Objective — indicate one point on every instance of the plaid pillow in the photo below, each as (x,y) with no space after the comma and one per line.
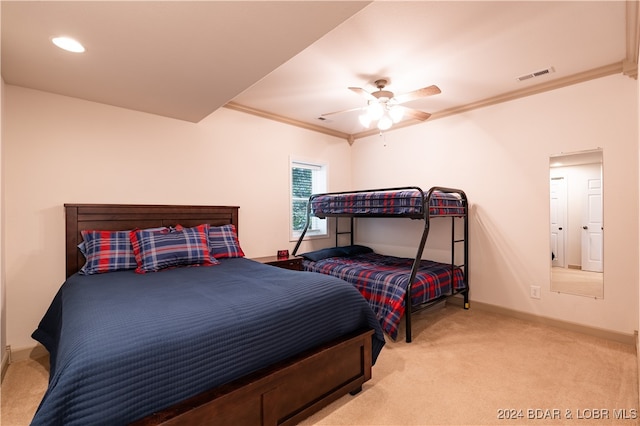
(156,250)
(223,241)
(106,251)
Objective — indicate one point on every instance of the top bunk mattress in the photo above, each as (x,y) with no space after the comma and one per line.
(390,202)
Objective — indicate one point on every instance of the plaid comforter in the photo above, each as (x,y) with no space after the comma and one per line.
(387,203)
(383,281)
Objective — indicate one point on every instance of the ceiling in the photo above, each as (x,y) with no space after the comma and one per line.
(576,158)
(293,61)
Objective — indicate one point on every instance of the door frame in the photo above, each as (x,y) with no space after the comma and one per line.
(561,234)
(588,263)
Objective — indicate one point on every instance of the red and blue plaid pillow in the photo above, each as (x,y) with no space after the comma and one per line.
(223,241)
(106,251)
(156,250)
(109,251)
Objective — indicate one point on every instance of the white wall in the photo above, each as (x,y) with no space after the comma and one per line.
(3,298)
(500,156)
(638,325)
(63,150)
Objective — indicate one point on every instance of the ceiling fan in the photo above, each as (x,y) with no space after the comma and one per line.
(384,106)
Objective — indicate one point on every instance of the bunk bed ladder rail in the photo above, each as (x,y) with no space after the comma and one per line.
(349,232)
(464,240)
(465,253)
(425,233)
(308,221)
(414,270)
(304,230)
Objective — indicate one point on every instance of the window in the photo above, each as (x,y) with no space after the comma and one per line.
(306,178)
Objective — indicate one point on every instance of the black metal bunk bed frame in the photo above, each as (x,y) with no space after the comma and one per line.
(426,217)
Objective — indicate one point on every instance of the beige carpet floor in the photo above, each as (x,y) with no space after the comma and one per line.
(463,368)
(575,281)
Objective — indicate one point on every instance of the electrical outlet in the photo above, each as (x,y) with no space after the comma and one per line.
(535,292)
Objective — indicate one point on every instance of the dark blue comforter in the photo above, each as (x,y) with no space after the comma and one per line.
(124,345)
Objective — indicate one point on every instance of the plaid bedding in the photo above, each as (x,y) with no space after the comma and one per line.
(399,202)
(445,204)
(383,281)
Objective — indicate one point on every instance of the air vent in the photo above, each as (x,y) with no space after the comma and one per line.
(536,74)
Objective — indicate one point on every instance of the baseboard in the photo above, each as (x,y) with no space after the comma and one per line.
(10,356)
(628,339)
(6,357)
(33,352)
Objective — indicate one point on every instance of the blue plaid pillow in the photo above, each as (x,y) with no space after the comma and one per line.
(223,241)
(157,250)
(106,251)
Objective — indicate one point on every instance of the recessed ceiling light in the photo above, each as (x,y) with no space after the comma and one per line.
(68,44)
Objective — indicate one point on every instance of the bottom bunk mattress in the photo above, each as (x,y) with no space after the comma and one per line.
(383,281)
(124,345)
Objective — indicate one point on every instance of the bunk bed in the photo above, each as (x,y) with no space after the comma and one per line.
(194,344)
(394,286)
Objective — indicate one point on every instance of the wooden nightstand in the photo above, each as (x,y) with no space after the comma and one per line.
(291,262)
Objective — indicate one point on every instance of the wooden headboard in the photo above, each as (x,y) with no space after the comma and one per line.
(117,217)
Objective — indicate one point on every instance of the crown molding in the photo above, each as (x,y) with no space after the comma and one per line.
(286,120)
(630,64)
(615,68)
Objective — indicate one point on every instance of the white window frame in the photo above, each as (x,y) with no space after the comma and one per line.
(318,228)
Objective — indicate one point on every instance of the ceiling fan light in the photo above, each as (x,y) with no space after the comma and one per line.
(365,120)
(375,111)
(385,122)
(396,114)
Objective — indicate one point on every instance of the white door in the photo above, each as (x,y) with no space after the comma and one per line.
(592,227)
(558,203)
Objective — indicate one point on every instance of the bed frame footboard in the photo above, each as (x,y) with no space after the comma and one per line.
(283,394)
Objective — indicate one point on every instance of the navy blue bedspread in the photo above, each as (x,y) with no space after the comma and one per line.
(124,345)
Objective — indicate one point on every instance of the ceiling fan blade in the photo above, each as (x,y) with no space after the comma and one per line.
(360,91)
(417,94)
(414,113)
(340,112)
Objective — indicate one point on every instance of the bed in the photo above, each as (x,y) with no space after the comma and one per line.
(233,342)
(395,287)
